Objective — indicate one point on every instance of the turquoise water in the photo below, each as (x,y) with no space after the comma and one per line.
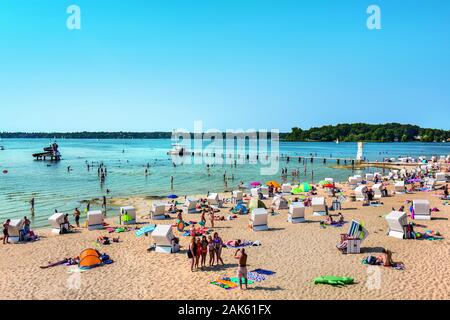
(53,187)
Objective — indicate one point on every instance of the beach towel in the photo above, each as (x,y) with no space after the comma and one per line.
(145,229)
(236,280)
(223,285)
(264,272)
(256,277)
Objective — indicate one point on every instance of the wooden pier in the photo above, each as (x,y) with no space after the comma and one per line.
(51,153)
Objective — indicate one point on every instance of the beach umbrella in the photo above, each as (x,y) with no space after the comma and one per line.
(296,190)
(172,196)
(273,184)
(305,187)
(255,184)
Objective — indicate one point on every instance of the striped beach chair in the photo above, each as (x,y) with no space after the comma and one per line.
(351,241)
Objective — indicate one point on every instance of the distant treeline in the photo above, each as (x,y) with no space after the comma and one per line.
(389,132)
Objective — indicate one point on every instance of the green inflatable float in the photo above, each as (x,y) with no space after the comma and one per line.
(333,280)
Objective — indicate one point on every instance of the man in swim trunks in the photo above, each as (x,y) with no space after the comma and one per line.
(242,267)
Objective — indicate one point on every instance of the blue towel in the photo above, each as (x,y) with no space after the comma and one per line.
(145,230)
(264,272)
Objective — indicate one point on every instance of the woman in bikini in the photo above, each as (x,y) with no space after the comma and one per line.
(198,252)
(218,243)
(204,246)
(385,258)
(211,250)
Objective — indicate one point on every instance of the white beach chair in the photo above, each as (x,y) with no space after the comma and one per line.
(352,181)
(397,221)
(360,192)
(95,220)
(369,176)
(399,187)
(158,211)
(279,203)
(162,237)
(258,219)
(237,196)
(430,184)
(319,206)
(286,188)
(358,178)
(57,223)
(421,209)
(377,190)
(15,230)
(190,205)
(254,192)
(213,200)
(351,241)
(441,177)
(330,180)
(127,215)
(296,212)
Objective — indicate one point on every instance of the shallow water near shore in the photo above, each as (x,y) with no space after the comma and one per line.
(53,187)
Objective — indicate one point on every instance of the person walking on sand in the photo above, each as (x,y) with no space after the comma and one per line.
(211,218)
(5,231)
(242,267)
(77,214)
(104,203)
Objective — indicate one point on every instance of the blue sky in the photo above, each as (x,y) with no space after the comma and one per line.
(263,64)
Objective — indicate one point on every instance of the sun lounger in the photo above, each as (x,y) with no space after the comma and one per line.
(259,219)
(369,176)
(358,178)
(95,220)
(127,215)
(296,212)
(397,222)
(421,210)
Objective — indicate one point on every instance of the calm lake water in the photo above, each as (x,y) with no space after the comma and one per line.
(53,187)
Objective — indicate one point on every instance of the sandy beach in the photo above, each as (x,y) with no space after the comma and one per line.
(296,252)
